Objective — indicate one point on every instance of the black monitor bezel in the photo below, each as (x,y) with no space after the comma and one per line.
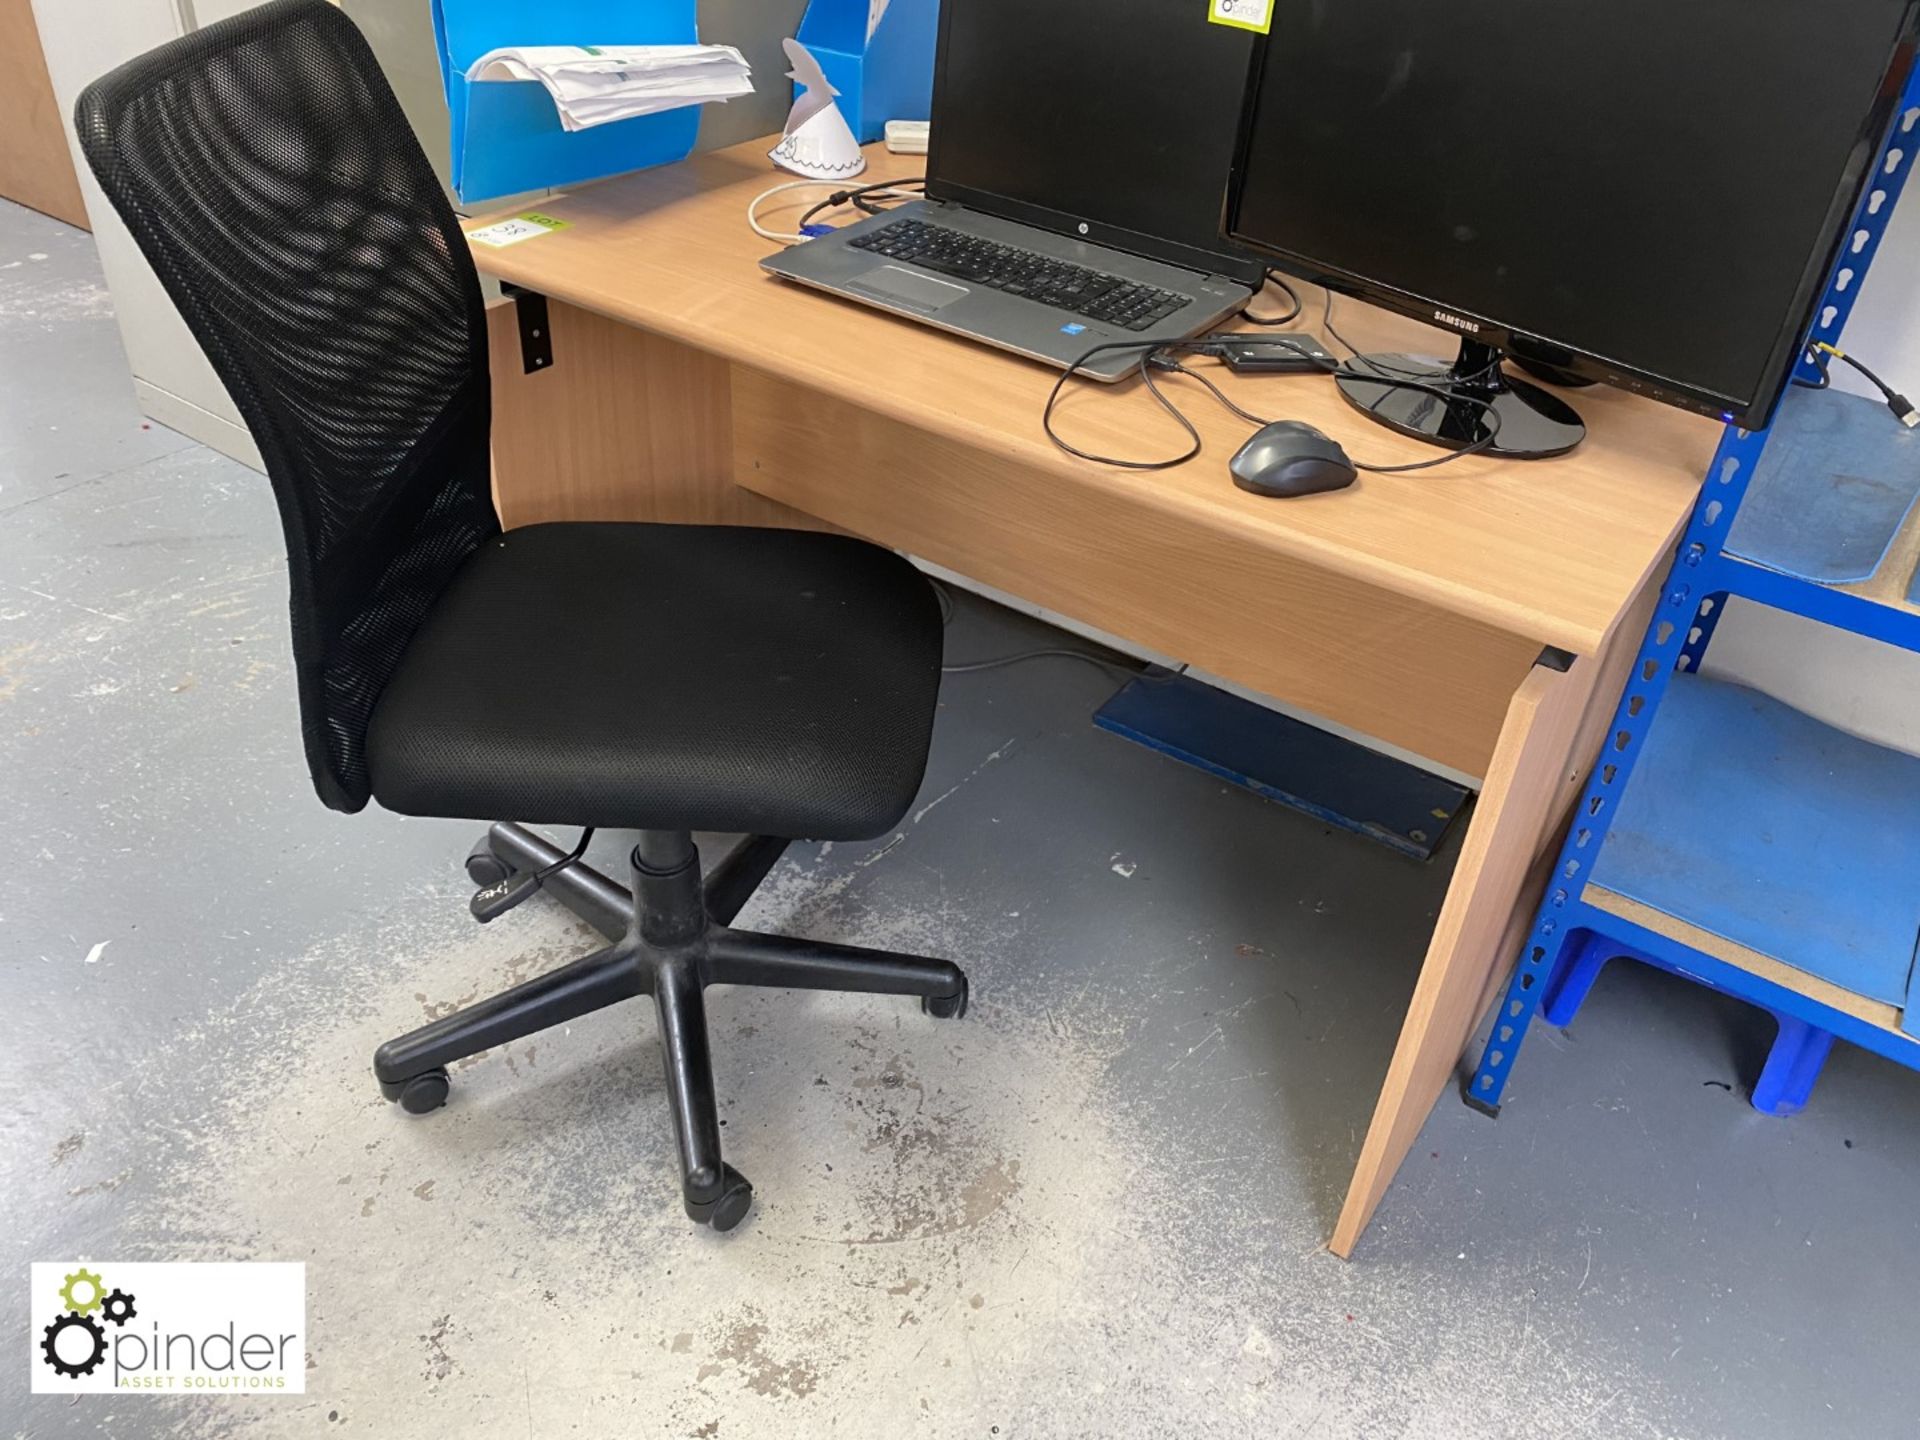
(1233,263)
(1749,412)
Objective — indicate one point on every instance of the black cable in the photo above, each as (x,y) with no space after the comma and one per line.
(857,196)
(1168,363)
(1152,351)
(875,203)
(1203,345)
(867,199)
(1134,670)
(974,667)
(586,838)
(1490,417)
(1146,349)
(1824,355)
(1326,323)
(1487,407)
(1378,370)
(1396,378)
(1275,321)
(490,902)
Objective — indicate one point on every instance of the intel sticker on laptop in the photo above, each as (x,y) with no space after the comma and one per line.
(1073,329)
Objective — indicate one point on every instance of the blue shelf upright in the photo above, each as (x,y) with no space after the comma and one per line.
(1725,837)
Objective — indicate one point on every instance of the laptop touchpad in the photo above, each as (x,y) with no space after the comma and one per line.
(904,287)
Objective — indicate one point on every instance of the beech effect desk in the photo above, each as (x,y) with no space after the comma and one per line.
(1483,614)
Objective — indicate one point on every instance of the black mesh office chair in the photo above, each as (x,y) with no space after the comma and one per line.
(657,678)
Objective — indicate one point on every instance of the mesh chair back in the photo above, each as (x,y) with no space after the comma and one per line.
(268,174)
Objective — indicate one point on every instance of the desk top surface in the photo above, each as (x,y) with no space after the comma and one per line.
(1552,549)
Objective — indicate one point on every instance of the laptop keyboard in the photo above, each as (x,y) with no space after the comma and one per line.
(1121,304)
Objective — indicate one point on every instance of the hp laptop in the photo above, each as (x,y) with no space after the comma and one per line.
(1075,184)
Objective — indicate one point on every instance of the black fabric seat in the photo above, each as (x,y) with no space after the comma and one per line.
(667,677)
(658,678)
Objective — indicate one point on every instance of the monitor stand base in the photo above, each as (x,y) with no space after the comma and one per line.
(1533,424)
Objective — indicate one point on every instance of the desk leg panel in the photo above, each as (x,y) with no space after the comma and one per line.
(1551,741)
(624,425)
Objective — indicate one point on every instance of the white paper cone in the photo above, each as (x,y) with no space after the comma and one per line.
(818,143)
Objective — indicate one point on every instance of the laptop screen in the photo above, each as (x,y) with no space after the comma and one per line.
(1116,115)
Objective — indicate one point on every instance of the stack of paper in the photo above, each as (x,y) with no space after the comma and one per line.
(598,84)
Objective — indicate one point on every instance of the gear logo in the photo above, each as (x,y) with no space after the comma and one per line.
(159,1327)
(76,1342)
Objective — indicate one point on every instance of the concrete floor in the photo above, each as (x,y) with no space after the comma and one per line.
(1094,1207)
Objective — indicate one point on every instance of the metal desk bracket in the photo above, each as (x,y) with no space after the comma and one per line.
(536,336)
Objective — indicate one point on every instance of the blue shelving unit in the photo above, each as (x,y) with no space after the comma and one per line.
(1724,836)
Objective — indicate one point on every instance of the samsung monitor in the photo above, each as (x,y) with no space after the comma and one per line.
(1110,120)
(1646,193)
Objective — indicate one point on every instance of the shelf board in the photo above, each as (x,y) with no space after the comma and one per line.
(1746,820)
(1880,608)
(1830,527)
(1894,583)
(1823,992)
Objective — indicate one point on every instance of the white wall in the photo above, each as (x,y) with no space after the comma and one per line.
(1885,329)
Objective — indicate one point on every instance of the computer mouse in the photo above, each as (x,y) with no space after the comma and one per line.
(1289,458)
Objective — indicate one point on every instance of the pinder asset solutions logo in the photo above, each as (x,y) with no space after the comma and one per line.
(227,1328)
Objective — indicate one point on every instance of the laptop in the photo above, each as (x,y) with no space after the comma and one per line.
(1075,185)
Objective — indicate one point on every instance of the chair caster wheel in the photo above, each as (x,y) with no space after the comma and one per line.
(946,1007)
(421,1094)
(485,868)
(729,1208)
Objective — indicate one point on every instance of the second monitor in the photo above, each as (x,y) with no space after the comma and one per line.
(1644,193)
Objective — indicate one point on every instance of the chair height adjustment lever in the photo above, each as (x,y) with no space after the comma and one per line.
(497,899)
